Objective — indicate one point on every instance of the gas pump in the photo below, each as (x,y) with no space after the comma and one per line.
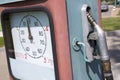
(32,29)
(54,40)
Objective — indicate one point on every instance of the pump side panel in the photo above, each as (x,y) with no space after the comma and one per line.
(82,70)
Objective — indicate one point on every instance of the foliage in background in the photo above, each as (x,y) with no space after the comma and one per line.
(1,42)
(109,1)
(118,13)
(110,24)
(0,27)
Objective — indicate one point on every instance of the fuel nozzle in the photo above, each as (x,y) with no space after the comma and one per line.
(106,65)
(107,69)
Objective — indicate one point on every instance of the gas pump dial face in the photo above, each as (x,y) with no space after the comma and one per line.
(32,34)
(32,39)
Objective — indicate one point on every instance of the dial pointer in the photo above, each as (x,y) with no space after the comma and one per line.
(30,37)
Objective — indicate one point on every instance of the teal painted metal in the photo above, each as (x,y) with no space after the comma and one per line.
(9,1)
(82,70)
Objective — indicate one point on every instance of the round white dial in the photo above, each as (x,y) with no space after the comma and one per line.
(32,36)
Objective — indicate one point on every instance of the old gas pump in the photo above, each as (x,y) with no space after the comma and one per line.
(54,40)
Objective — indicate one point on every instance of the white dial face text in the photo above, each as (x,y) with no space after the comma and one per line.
(32,36)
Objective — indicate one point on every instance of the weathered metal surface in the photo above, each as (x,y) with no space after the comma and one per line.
(82,70)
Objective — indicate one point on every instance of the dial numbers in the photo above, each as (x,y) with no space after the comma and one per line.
(31,26)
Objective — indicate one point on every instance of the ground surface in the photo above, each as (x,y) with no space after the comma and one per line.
(113,40)
(3,66)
